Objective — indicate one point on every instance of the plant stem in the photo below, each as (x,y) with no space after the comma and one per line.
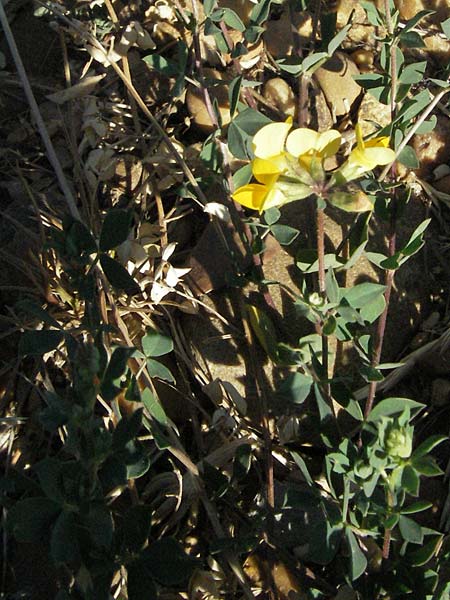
(381,328)
(321,249)
(320,225)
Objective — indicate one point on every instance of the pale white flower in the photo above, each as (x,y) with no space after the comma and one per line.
(166,277)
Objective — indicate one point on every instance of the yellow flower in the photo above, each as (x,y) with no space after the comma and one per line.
(366,156)
(285,166)
(307,144)
(269,141)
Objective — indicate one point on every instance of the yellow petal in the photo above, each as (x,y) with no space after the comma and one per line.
(379,156)
(359,136)
(269,140)
(359,157)
(251,195)
(301,141)
(265,170)
(328,143)
(379,141)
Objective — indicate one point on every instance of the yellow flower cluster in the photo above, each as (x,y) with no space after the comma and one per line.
(288,166)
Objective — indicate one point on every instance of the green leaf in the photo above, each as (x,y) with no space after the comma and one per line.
(157,369)
(118,276)
(284,234)
(117,366)
(253,33)
(49,471)
(332,287)
(416,240)
(271,216)
(306,261)
(445,26)
(329,327)
(393,406)
(291,65)
(372,13)
(372,310)
(234,91)
(167,562)
(427,446)
(412,39)
(416,507)
(156,344)
(410,480)
(208,6)
(294,388)
(371,373)
(299,461)
(391,521)
(412,107)
(360,295)
(229,17)
(64,545)
(426,465)
(115,229)
(411,23)
(154,407)
(182,56)
(132,393)
(358,561)
(242,177)
(127,429)
(99,523)
(30,519)
(241,131)
(420,557)
(113,474)
(410,530)
(413,73)
(137,460)
(338,39)
(39,342)
(79,239)
(427,126)
(408,157)
(377,85)
(161,64)
(313,61)
(260,12)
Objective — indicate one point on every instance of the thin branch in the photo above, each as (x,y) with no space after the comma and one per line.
(414,128)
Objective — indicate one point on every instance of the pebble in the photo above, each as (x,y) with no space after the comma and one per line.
(372,113)
(279,93)
(279,38)
(335,78)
